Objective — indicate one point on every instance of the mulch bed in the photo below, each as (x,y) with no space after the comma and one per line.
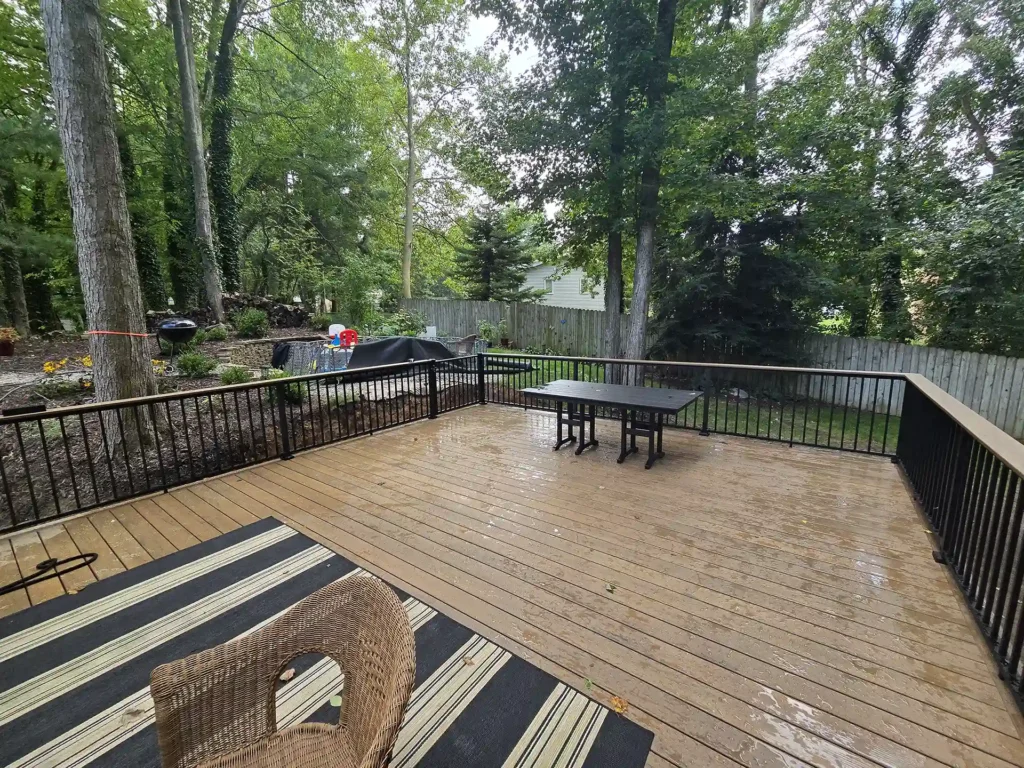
(51,466)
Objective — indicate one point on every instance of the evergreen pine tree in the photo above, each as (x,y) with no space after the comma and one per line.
(495,263)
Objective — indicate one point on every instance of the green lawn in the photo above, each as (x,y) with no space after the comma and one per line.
(802,420)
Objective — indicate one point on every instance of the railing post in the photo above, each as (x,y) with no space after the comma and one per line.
(432,389)
(481,385)
(707,404)
(282,420)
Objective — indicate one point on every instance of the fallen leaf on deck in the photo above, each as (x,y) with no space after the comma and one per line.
(469,662)
(619,704)
(72,591)
(588,683)
(612,587)
(335,701)
(287,675)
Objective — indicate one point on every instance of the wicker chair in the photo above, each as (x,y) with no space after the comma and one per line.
(217,707)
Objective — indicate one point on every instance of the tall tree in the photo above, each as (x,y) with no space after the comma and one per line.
(151,276)
(224,204)
(14,284)
(422,40)
(650,178)
(494,262)
(177,11)
(86,119)
(898,40)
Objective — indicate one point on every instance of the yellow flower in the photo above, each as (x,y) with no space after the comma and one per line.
(87,361)
(86,383)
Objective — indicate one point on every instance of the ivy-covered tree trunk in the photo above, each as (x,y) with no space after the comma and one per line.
(224,204)
(650,180)
(84,108)
(410,167)
(147,260)
(177,11)
(14,285)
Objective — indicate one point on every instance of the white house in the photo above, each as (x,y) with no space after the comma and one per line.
(571,289)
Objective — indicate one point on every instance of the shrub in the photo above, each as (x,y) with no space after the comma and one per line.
(321,321)
(196,365)
(252,323)
(235,374)
(293,393)
(217,333)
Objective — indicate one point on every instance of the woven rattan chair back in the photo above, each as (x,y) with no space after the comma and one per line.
(218,707)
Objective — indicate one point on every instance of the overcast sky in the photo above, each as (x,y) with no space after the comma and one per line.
(477,35)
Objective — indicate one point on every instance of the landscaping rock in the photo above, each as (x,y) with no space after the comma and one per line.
(280,315)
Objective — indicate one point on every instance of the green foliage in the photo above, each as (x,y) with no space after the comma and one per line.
(217,333)
(235,374)
(321,321)
(195,365)
(494,263)
(852,168)
(493,332)
(400,323)
(294,393)
(251,323)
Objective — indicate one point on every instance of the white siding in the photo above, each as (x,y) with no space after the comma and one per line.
(565,289)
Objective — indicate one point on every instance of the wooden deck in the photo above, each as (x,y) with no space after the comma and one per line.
(755,604)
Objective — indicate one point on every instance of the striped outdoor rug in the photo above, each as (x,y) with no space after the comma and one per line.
(74,672)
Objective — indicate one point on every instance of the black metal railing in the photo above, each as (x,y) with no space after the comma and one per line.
(967,476)
(59,462)
(845,410)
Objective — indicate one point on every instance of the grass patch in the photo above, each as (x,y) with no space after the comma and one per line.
(764,412)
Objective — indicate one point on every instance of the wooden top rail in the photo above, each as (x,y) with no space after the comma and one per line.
(1002,445)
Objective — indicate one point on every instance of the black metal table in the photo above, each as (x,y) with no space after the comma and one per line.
(642,412)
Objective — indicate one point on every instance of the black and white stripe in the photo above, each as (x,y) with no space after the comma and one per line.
(74,672)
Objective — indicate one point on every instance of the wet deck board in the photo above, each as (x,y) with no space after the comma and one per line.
(756,604)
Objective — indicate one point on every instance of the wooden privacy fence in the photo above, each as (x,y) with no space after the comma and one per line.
(542,328)
(991,385)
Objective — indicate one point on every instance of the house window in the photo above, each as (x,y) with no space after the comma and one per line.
(549,284)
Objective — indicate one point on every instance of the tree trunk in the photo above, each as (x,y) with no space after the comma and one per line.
(410,170)
(17,307)
(14,285)
(616,184)
(211,52)
(177,11)
(110,281)
(224,204)
(650,181)
(147,261)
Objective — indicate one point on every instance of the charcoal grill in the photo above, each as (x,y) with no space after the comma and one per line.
(176,331)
